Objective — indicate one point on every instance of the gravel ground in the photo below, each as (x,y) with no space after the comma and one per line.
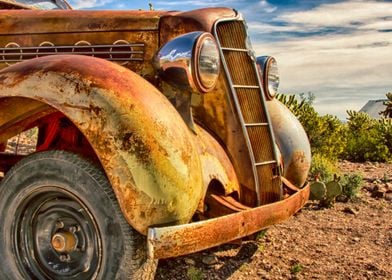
(351,240)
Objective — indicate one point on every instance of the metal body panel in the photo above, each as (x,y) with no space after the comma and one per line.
(215,163)
(63,30)
(292,141)
(146,149)
(11,5)
(53,21)
(185,239)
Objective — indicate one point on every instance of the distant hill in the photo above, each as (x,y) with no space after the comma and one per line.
(374,107)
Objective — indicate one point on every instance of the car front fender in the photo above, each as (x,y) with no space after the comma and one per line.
(142,143)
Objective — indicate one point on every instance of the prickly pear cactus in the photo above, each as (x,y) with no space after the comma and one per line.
(318,191)
(333,189)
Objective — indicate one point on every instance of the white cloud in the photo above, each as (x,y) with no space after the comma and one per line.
(343,70)
(260,27)
(198,3)
(340,14)
(84,4)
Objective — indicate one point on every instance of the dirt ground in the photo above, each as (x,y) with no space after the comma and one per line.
(351,240)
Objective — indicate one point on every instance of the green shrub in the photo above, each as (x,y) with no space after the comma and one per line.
(296,268)
(368,139)
(322,168)
(193,273)
(351,185)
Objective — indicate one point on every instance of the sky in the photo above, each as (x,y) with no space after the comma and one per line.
(341,51)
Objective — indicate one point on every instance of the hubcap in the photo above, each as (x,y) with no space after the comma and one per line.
(56,236)
(64,242)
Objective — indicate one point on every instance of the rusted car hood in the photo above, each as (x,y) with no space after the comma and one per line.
(34,21)
(25,22)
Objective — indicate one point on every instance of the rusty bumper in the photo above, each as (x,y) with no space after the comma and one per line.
(172,241)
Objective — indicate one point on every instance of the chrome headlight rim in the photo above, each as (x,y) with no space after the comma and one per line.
(196,63)
(266,65)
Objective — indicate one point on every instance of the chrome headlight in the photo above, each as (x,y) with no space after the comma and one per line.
(269,75)
(207,68)
(190,60)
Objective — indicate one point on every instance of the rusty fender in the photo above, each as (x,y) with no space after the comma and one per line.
(141,141)
(179,240)
(292,142)
(215,163)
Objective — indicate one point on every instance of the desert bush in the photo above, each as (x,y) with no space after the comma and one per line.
(351,184)
(194,273)
(367,139)
(322,168)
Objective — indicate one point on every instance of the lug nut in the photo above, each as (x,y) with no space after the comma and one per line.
(59,224)
(74,229)
(65,258)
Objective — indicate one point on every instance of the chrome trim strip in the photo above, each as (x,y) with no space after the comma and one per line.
(73,47)
(235,50)
(81,53)
(265,162)
(243,86)
(13,52)
(108,59)
(256,124)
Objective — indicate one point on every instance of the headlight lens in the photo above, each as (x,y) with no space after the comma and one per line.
(273,77)
(207,66)
(270,75)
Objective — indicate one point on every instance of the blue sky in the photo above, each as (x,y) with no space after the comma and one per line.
(339,50)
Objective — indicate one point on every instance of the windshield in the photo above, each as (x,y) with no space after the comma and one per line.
(45,4)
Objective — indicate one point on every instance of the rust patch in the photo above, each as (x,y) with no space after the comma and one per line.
(135,144)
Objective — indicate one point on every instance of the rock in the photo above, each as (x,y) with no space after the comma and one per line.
(356,239)
(190,261)
(350,210)
(369,188)
(210,260)
(378,194)
(263,274)
(341,198)
(388,196)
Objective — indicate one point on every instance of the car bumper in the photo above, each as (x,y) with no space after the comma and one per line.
(172,241)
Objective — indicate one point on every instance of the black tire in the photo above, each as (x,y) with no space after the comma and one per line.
(59,219)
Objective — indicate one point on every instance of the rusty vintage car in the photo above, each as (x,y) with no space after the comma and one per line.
(158,135)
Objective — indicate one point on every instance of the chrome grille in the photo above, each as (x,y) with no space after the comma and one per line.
(248,97)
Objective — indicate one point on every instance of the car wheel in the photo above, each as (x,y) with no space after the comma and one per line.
(60,219)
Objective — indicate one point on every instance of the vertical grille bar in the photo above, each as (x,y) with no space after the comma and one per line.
(250,104)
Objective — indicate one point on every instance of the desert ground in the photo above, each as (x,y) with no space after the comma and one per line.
(351,240)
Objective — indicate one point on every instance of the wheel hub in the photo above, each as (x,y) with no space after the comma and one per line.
(56,236)
(64,242)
